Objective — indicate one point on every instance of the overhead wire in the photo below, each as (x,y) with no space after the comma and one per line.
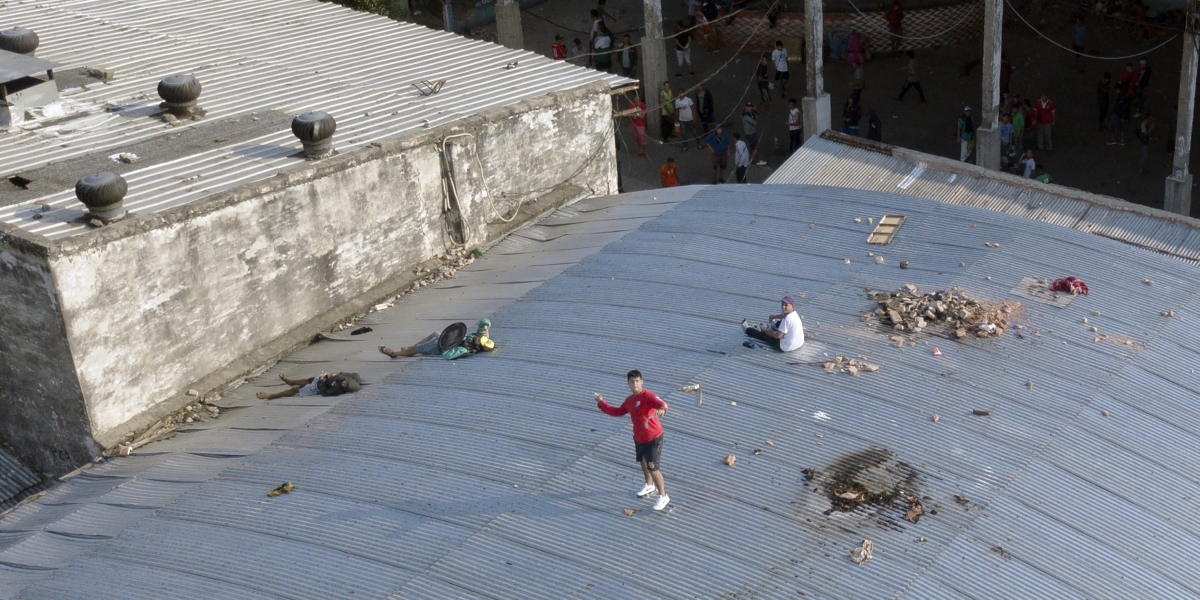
(1073,51)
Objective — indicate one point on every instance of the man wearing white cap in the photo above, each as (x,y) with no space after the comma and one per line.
(786,332)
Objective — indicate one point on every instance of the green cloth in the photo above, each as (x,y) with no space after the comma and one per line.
(667,99)
(1018,123)
(463,349)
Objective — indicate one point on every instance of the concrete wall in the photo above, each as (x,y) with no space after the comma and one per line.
(156,303)
(42,415)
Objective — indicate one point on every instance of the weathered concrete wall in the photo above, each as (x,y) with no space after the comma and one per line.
(42,414)
(153,304)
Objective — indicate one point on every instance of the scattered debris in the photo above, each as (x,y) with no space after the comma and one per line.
(193,393)
(922,539)
(904,264)
(695,387)
(770,443)
(915,510)
(862,554)
(629,512)
(849,365)
(361,330)
(991,244)
(1119,340)
(936,352)
(845,261)
(124,157)
(910,310)
(853,496)
(1147,282)
(1168,313)
(879,260)
(281,490)
(868,477)
(809,474)
(962,264)
(1084,321)
(1029,384)
(1104,413)
(936,418)
(980,412)
(757,451)
(858,219)
(962,501)
(1002,552)
(729,460)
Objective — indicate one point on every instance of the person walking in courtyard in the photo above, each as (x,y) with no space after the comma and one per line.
(913,79)
(638,123)
(669,173)
(1078,39)
(895,19)
(761,75)
(1045,122)
(965,134)
(1143,84)
(750,131)
(685,115)
(718,143)
(704,106)
(683,49)
(851,117)
(628,56)
(859,80)
(644,409)
(780,56)
(874,126)
(666,101)
(794,126)
(786,332)
(741,158)
(1143,134)
(1103,98)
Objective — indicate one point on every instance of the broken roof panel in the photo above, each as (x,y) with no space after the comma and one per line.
(14,66)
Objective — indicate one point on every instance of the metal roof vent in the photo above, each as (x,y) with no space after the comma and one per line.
(103,194)
(19,40)
(315,130)
(179,94)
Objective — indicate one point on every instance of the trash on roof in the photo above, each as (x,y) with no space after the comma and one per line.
(849,365)
(886,229)
(911,310)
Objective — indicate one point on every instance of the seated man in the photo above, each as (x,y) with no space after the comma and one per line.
(325,384)
(786,332)
(435,345)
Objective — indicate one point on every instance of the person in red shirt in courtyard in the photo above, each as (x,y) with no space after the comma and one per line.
(644,408)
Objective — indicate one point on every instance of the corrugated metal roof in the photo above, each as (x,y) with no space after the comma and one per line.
(16,481)
(286,55)
(495,476)
(824,161)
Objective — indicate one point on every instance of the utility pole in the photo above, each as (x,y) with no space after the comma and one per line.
(654,62)
(1178,196)
(447,16)
(987,135)
(508,24)
(816,103)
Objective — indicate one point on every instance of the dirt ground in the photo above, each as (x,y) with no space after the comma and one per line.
(1081,157)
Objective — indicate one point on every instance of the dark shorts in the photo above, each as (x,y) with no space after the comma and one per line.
(782,75)
(764,90)
(650,452)
(719,161)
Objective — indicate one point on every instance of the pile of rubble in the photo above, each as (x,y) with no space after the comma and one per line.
(201,409)
(910,310)
(848,365)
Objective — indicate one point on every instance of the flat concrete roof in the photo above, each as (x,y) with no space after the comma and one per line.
(495,476)
(274,56)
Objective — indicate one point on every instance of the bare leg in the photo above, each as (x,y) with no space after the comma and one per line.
(296,382)
(284,394)
(646,472)
(408,350)
(658,482)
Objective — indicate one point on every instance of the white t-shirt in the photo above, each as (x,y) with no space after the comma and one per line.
(1029,165)
(779,55)
(793,332)
(794,119)
(684,104)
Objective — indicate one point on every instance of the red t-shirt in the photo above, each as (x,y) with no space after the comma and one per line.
(560,51)
(894,17)
(636,120)
(1045,111)
(640,408)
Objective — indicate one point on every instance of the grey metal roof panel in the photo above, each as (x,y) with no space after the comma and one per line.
(16,481)
(506,482)
(291,56)
(14,66)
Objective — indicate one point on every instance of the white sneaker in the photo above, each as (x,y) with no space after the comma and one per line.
(662,502)
(745,324)
(646,491)
(761,163)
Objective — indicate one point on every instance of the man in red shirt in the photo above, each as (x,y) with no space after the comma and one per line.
(644,408)
(1045,121)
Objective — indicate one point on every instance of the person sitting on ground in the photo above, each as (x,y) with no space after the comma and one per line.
(786,332)
(445,345)
(325,384)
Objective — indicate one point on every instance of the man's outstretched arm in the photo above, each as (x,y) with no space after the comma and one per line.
(608,409)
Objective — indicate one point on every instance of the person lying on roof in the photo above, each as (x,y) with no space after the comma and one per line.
(453,342)
(325,384)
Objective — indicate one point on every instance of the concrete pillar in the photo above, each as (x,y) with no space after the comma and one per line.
(448,15)
(508,24)
(816,102)
(987,135)
(1178,197)
(653,57)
